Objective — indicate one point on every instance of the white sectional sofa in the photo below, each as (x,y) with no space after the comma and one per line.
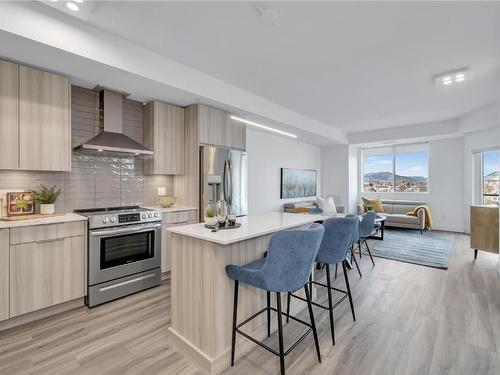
(396,210)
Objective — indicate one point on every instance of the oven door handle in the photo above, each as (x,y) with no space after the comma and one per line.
(129,229)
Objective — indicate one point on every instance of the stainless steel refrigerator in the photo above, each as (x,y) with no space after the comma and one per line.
(223,170)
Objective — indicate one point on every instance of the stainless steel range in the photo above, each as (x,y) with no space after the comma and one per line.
(124,245)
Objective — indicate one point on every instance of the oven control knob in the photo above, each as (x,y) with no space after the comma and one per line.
(105,220)
(113,219)
(157,214)
(144,216)
(150,215)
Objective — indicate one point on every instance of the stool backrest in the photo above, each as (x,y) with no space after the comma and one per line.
(367,224)
(290,258)
(337,239)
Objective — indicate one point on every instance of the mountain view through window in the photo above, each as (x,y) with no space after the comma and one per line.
(491,162)
(404,171)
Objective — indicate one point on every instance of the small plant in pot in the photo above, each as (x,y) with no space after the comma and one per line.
(210,217)
(47,199)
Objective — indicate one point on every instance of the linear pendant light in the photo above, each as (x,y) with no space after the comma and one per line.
(263,126)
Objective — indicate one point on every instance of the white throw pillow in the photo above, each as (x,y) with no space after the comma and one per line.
(327,205)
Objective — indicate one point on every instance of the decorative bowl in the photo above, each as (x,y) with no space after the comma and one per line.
(167,202)
(212,221)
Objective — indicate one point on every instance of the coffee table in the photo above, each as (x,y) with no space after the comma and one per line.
(379,226)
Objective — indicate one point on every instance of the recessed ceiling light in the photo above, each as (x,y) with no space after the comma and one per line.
(72,6)
(263,127)
(78,1)
(455,76)
(99,150)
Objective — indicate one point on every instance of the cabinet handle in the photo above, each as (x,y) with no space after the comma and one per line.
(50,240)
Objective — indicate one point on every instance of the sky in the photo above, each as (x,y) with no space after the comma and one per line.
(408,164)
(491,161)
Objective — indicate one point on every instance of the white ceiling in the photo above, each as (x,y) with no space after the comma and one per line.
(355,66)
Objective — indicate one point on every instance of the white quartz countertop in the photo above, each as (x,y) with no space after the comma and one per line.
(65,218)
(172,209)
(251,226)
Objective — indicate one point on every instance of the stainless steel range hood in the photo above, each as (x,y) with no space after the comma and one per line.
(111,139)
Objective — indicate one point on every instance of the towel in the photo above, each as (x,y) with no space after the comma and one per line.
(428,216)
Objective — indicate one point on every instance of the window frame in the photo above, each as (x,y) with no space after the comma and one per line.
(393,153)
(478,174)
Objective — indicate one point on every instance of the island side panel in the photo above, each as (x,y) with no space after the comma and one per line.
(202,297)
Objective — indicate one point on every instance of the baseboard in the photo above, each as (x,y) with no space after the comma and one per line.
(449,228)
(41,314)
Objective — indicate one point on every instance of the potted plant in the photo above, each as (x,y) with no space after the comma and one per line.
(210,217)
(47,199)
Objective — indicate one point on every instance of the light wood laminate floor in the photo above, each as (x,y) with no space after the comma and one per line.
(410,320)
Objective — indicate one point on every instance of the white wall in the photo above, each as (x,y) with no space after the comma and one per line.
(473,142)
(446,188)
(267,153)
(334,171)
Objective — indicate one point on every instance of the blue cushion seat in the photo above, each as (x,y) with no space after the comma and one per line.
(291,255)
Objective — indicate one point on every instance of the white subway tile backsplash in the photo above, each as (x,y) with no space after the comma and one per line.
(96,181)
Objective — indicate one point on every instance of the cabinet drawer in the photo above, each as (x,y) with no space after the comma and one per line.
(46,232)
(179,217)
(47,273)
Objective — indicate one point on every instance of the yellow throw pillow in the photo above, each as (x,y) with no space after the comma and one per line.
(376,203)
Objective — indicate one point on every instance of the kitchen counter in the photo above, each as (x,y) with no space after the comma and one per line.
(251,226)
(172,209)
(65,218)
(202,294)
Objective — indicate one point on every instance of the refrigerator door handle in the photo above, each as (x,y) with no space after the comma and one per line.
(228,193)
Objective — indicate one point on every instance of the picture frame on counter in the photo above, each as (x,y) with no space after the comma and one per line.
(20,203)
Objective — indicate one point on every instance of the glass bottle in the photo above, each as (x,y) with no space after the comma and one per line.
(221,207)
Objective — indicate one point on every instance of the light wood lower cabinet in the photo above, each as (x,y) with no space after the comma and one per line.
(46,273)
(169,220)
(4,274)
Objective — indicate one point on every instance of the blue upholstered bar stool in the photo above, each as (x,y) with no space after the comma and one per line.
(334,248)
(290,257)
(366,229)
(355,240)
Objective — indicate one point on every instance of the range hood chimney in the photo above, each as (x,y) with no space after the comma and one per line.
(111,139)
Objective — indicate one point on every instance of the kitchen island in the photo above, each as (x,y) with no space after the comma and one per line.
(202,294)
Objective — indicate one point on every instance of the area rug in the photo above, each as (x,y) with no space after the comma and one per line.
(432,248)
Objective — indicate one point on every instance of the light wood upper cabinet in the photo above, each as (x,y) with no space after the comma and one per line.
(164,134)
(9,111)
(217,128)
(46,273)
(4,274)
(44,121)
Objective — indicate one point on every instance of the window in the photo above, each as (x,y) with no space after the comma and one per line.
(487,165)
(402,168)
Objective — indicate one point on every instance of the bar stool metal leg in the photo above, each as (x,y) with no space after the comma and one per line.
(280,334)
(313,323)
(268,314)
(235,313)
(288,298)
(369,252)
(348,290)
(353,257)
(330,302)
